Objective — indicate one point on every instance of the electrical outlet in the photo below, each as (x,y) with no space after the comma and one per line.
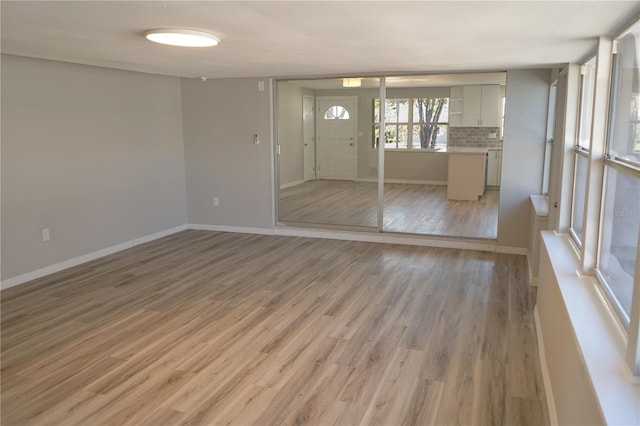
(45,234)
(216,202)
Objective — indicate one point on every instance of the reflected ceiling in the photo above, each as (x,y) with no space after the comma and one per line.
(432,80)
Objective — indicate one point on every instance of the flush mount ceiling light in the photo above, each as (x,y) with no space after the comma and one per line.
(184,38)
(351,82)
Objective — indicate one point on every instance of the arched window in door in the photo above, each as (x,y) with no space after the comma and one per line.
(336,112)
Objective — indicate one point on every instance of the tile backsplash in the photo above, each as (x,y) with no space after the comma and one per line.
(473,137)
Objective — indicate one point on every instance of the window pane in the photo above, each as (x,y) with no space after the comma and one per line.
(431,110)
(586,105)
(336,112)
(397,111)
(619,242)
(376,110)
(625,129)
(429,136)
(403,111)
(579,192)
(397,136)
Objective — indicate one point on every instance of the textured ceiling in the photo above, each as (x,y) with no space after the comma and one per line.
(286,39)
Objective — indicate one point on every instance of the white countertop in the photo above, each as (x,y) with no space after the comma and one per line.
(464,150)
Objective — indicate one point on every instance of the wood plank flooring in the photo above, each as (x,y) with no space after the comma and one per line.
(207,328)
(419,209)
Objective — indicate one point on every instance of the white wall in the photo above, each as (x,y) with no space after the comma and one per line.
(93,154)
(220,118)
(527,96)
(290,132)
(574,399)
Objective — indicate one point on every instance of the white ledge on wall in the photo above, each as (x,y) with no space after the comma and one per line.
(600,338)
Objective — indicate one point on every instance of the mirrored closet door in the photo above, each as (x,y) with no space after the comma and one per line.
(442,156)
(441,141)
(327,159)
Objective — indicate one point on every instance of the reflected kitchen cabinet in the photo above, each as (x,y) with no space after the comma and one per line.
(494,167)
(475,106)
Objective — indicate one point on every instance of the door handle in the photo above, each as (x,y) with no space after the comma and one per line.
(351,144)
(306,144)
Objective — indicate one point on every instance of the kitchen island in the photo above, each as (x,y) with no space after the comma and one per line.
(467,173)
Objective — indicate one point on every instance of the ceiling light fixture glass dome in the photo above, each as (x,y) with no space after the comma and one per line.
(181,37)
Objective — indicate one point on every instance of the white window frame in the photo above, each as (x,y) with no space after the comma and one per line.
(410,124)
(581,151)
(397,124)
(632,322)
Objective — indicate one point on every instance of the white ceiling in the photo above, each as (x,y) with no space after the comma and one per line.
(286,39)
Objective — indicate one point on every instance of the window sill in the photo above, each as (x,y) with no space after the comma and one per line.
(599,336)
(540,204)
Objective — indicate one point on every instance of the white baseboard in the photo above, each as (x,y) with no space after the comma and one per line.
(345,235)
(385,238)
(417,182)
(47,270)
(233,229)
(372,237)
(406,181)
(546,380)
(533,281)
(512,250)
(290,184)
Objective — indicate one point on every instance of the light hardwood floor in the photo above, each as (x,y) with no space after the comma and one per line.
(216,328)
(419,209)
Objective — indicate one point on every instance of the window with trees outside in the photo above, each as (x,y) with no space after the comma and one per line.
(582,147)
(413,123)
(620,217)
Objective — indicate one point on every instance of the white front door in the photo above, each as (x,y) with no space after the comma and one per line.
(309,137)
(336,120)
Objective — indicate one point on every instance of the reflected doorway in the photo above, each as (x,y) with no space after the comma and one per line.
(336,133)
(322,147)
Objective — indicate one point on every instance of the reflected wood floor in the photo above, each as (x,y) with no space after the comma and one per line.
(411,208)
(215,328)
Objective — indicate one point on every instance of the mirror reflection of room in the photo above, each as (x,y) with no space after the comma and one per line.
(325,148)
(442,156)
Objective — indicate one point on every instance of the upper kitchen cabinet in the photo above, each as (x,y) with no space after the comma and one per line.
(475,106)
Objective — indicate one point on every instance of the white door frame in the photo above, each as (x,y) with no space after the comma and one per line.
(382,141)
(319,116)
(305,172)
